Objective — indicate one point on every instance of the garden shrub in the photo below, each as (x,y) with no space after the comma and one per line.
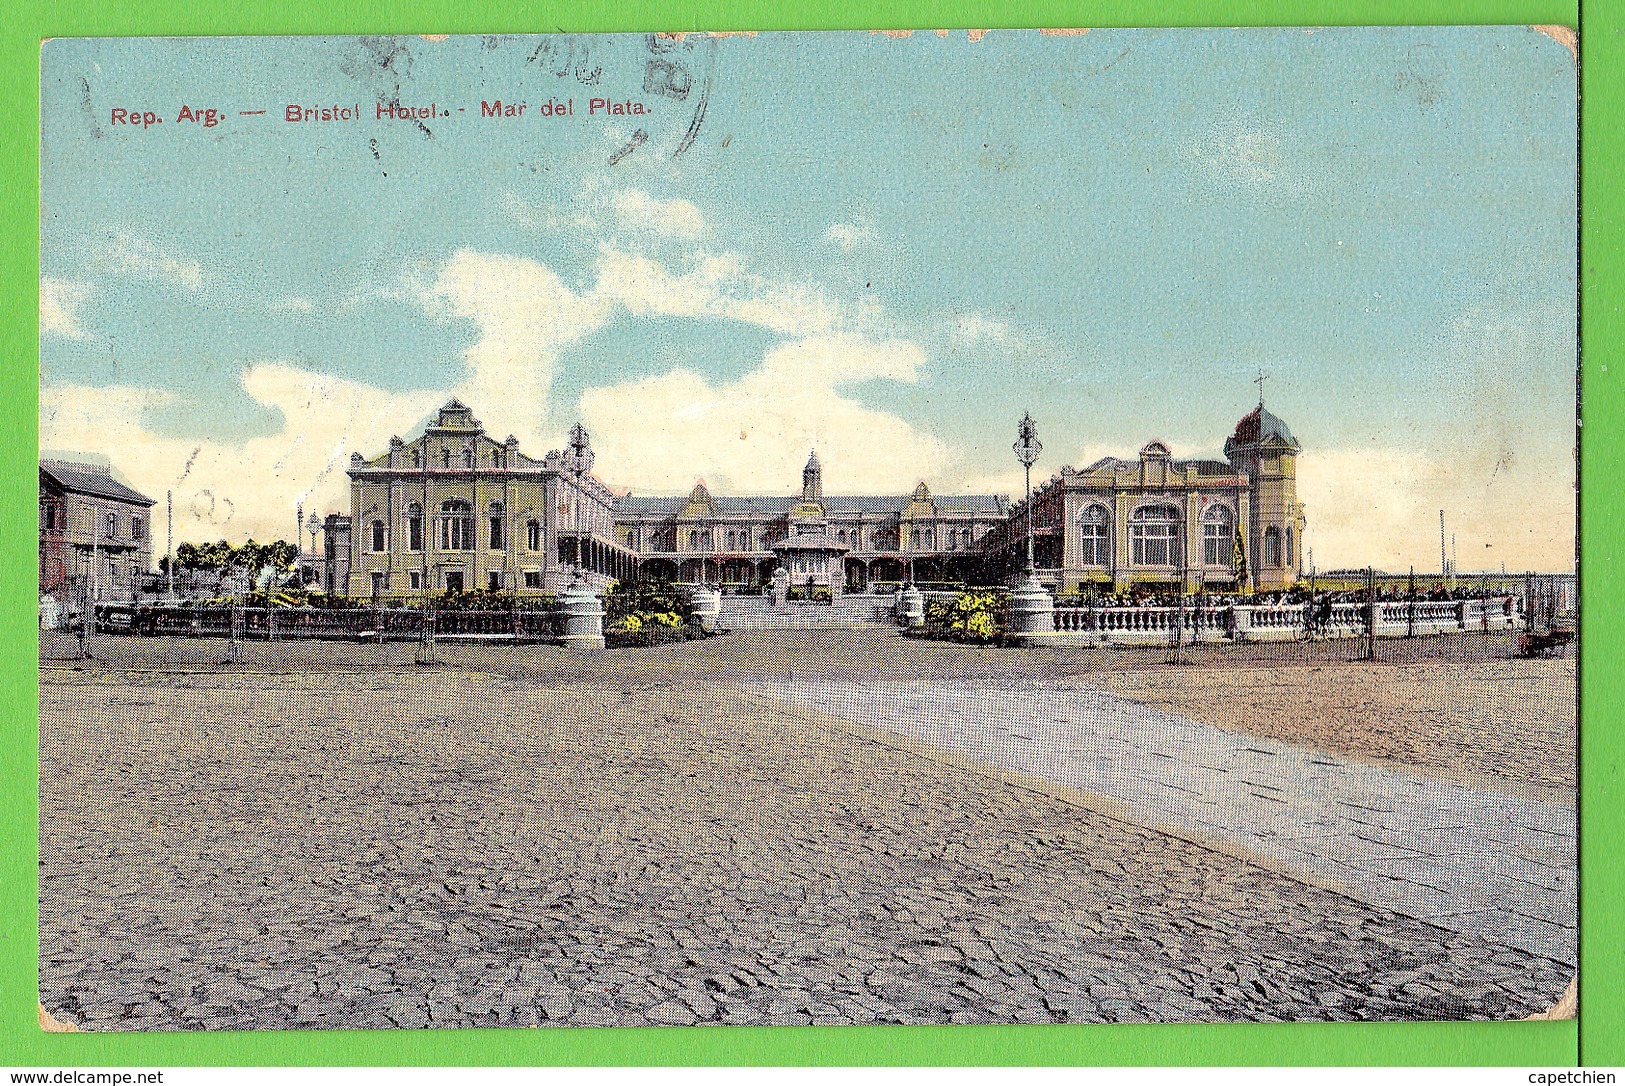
(974,616)
(637,613)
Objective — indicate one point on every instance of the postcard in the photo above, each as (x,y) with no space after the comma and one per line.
(808,529)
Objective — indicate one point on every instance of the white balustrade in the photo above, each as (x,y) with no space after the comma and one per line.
(1279,622)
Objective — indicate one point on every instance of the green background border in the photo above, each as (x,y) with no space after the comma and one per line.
(1600,1041)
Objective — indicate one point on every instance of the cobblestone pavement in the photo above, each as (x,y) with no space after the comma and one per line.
(1494,863)
(631,839)
(1490,722)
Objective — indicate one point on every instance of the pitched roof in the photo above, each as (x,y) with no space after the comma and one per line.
(97,484)
(1203,467)
(747,505)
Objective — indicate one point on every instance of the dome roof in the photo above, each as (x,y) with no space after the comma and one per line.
(1258,426)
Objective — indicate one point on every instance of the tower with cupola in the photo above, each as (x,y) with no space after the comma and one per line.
(1263,449)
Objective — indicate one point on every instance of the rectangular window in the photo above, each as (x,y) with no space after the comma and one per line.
(414,533)
(533,578)
(380,537)
(494,580)
(112,525)
(457,533)
(1153,546)
(136,529)
(415,580)
(1095,548)
(496,533)
(533,535)
(377,584)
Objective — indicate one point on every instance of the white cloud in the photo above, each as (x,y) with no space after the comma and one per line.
(718,286)
(637,210)
(548,218)
(657,432)
(60,301)
(644,287)
(852,235)
(525,313)
(790,309)
(139,257)
(1239,153)
(600,210)
(234,491)
(753,435)
(973,329)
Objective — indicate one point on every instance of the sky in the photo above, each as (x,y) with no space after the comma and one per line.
(882,247)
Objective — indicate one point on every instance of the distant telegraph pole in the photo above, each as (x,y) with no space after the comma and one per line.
(169,562)
(1444,565)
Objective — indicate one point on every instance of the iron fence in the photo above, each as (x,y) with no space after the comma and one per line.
(295,623)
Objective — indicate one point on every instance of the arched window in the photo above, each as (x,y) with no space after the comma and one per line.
(1095,536)
(693,539)
(414,527)
(456,526)
(1218,535)
(468,458)
(914,538)
(380,537)
(1291,555)
(417,458)
(930,539)
(445,458)
(533,534)
(964,538)
(495,542)
(1154,534)
(1272,546)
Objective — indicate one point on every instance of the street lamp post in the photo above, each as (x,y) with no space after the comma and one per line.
(313,526)
(1032,608)
(1027,449)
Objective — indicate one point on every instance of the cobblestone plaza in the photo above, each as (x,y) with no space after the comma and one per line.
(677,835)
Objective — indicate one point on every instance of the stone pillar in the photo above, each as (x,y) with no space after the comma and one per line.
(910,607)
(706,603)
(1241,622)
(583,615)
(1032,609)
(779,591)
